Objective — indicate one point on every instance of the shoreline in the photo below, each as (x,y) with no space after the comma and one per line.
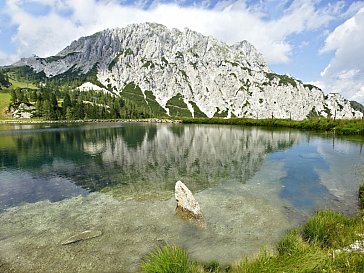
(328,241)
(354,127)
(149,120)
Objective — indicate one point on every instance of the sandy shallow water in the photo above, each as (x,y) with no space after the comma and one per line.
(239,219)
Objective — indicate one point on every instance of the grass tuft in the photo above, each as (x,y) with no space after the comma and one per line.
(292,243)
(168,259)
(331,229)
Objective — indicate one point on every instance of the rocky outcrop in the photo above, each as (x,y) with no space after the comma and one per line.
(88,86)
(206,75)
(187,206)
(22,111)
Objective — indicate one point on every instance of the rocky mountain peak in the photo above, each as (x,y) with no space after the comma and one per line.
(188,72)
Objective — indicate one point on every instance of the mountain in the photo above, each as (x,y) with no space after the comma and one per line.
(184,73)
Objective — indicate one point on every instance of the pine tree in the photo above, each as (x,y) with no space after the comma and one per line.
(13,98)
(66,103)
(47,110)
(69,113)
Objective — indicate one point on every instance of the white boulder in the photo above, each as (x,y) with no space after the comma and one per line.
(186,202)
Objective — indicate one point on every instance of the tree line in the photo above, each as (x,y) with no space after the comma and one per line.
(4,80)
(63,103)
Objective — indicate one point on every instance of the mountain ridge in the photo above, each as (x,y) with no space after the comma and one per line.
(199,72)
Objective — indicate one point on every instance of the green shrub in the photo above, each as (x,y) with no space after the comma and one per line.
(167,259)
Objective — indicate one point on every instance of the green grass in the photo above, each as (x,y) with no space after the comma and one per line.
(4,104)
(156,109)
(312,260)
(177,107)
(317,246)
(268,262)
(169,259)
(331,229)
(21,84)
(223,114)
(5,96)
(342,126)
(133,93)
(292,243)
(197,111)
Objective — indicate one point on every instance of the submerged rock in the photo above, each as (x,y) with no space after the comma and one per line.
(85,235)
(187,206)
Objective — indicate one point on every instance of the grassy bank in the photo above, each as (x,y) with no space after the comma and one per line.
(342,126)
(323,244)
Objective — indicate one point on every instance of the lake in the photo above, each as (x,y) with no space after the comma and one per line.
(252,185)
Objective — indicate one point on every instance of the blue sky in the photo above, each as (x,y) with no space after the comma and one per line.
(317,41)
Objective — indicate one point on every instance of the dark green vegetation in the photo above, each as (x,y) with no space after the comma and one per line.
(56,104)
(8,83)
(345,127)
(4,104)
(361,196)
(177,107)
(320,245)
(357,106)
(220,114)
(283,79)
(4,81)
(57,98)
(143,107)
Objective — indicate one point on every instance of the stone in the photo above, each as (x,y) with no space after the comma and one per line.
(88,86)
(22,111)
(186,202)
(85,235)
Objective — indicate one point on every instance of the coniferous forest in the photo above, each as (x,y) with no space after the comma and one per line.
(59,99)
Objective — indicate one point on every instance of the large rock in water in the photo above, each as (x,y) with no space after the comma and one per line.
(187,205)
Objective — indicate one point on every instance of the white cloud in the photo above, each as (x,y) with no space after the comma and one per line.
(6,58)
(359,95)
(345,72)
(348,74)
(230,21)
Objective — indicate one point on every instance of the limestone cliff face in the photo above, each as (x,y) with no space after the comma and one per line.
(233,80)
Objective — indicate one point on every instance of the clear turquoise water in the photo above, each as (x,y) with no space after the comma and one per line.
(252,185)
(40,162)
